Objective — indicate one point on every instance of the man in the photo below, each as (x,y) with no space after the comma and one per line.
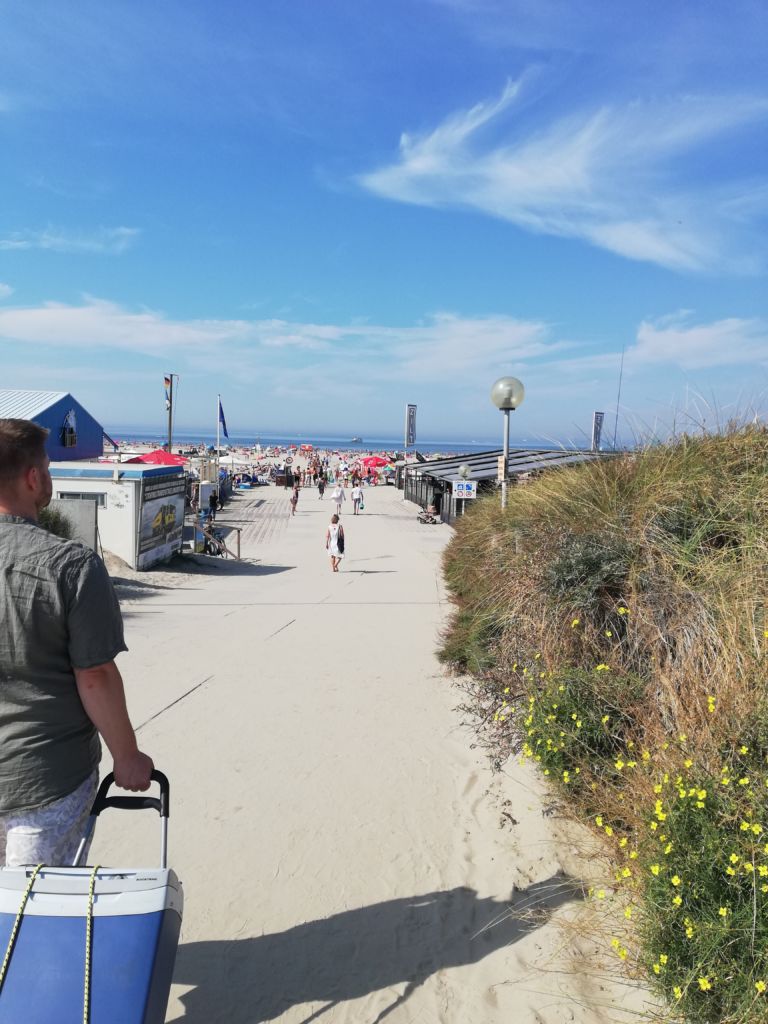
(60,631)
(357,497)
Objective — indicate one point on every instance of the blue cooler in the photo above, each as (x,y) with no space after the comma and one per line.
(119,966)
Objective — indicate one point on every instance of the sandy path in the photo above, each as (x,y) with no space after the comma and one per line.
(337,837)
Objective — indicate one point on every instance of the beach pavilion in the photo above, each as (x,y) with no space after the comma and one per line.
(73,434)
(435,482)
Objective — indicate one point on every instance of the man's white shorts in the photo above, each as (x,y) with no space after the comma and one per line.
(50,835)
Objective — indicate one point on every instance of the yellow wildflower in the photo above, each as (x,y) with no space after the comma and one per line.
(760,986)
(705,984)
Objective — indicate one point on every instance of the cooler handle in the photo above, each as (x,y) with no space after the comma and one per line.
(130,803)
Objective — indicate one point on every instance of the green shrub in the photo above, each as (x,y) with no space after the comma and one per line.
(54,521)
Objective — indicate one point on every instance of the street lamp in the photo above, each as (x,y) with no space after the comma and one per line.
(506,394)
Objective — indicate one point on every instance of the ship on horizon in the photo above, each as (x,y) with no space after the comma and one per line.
(356,440)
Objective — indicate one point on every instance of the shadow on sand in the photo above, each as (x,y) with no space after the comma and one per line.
(347,956)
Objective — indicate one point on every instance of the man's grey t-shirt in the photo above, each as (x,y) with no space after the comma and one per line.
(58,611)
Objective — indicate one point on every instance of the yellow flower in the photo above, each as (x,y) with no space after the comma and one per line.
(744,781)
(600,894)
(760,986)
(682,737)
(668,848)
(657,969)
(675,880)
(663,958)
(734,858)
(657,788)
(608,830)
(745,826)
(619,764)
(622,953)
(678,992)
(757,829)
(730,871)
(608,632)
(599,821)
(723,911)
(655,868)
(628,913)
(677,900)
(743,749)
(623,841)
(705,984)
(689,931)
(625,611)
(575,623)
(687,762)
(602,668)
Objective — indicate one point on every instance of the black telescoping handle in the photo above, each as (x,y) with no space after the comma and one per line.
(133,803)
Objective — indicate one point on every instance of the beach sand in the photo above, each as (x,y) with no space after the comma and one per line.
(347,856)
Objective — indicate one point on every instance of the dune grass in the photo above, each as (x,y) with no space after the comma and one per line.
(616,617)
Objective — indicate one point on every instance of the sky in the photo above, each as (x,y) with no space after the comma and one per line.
(324,211)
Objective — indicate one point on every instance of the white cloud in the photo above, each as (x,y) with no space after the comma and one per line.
(5,290)
(610,176)
(729,342)
(443,347)
(104,240)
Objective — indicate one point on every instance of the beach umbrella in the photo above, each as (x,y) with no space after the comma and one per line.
(374,461)
(160,458)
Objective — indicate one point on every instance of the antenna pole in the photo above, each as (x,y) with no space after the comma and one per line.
(618,396)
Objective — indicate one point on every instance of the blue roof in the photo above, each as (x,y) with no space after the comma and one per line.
(25,405)
(106,471)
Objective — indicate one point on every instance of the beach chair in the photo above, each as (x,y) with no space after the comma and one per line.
(90,943)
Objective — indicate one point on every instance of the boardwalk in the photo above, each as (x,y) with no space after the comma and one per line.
(337,836)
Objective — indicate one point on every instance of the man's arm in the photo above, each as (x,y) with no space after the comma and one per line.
(101,691)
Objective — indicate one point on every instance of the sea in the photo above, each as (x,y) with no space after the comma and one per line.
(184,437)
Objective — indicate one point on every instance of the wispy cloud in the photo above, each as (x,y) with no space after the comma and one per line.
(5,290)
(614,176)
(675,340)
(105,240)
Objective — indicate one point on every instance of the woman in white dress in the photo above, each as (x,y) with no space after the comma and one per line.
(334,543)
(339,496)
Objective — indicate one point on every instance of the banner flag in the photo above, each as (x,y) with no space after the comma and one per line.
(222,421)
(410,425)
(597,429)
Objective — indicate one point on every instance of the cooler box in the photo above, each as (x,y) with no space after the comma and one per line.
(134,935)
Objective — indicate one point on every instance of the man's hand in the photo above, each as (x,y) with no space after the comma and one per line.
(133,771)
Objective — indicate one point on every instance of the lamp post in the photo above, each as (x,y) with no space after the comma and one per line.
(506,394)
(464,472)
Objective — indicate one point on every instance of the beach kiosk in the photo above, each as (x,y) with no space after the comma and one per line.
(72,432)
(140,509)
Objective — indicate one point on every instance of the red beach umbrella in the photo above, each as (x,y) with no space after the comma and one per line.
(374,461)
(160,458)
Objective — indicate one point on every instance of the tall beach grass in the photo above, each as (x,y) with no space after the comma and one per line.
(615,618)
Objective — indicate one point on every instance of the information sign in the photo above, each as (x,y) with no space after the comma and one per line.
(465,489)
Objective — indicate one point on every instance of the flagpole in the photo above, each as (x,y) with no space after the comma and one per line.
(218,438)
(170,413)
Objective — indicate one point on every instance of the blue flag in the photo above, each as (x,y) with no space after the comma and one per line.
(222,421)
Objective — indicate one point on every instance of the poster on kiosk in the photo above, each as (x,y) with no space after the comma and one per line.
(161,524)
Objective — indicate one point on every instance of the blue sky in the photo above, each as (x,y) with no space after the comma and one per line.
(326,210)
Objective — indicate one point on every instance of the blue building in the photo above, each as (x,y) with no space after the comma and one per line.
(72,432)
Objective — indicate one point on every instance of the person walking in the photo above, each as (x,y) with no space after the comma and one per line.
(294,499)
(339,496)
(60,632)
(320,487)
(213,504)
(335,543)
(357,498)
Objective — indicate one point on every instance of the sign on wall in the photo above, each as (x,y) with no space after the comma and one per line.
(161,526)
